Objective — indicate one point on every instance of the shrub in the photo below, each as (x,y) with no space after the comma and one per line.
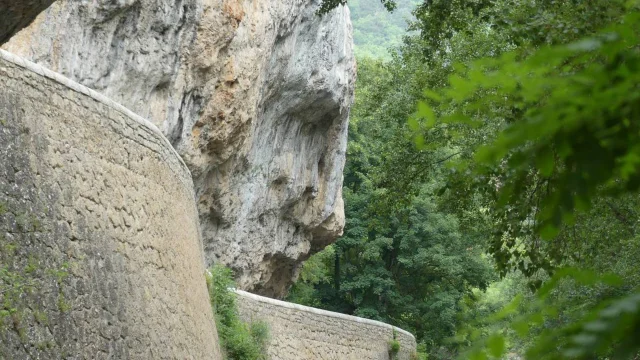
(239,340)
(394,346)
(418,356)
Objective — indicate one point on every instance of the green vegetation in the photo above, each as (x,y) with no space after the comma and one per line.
(394,346)
(28,285)
(491,186)
(15,282)
(328,5)
(375,30)
(239,340)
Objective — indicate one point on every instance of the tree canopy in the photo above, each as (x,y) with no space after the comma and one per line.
(492,183)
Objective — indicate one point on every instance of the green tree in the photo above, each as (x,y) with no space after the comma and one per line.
(531,142)
(239,340)
(410,267)
(563,121)
(375,30)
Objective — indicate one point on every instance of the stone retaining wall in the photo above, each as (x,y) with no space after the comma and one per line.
(100,252)
(304,333)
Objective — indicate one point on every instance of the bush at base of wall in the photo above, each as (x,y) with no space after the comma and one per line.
(239,340)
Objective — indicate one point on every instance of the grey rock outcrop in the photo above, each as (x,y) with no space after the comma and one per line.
(255,97)
(15,15)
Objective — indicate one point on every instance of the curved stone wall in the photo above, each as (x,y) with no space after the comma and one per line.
(100,253)
(305,333)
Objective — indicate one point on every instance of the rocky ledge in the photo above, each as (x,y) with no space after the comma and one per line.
(255,97)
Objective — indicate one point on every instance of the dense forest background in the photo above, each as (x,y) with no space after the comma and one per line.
(375,30)
(492,177)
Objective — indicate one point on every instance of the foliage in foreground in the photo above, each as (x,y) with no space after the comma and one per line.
(553,198)
(567,140)
(239,340)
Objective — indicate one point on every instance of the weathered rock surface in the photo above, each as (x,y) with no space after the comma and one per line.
(100,254)
(253,94)
(15,15)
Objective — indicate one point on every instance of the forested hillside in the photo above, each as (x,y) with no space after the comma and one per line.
(375,30)
(492,183)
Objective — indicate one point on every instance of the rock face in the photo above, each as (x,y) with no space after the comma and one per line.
(95,265)
(253,94)
(15,15)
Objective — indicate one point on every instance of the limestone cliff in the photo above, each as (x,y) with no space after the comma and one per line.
(253,94)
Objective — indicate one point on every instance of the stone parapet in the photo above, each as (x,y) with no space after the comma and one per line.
(305,333)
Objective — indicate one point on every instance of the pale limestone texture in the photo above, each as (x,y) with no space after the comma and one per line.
(304,333)
(98,229)
(254,95)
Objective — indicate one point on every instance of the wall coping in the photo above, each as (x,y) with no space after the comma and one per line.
(321,312)
(42,71)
